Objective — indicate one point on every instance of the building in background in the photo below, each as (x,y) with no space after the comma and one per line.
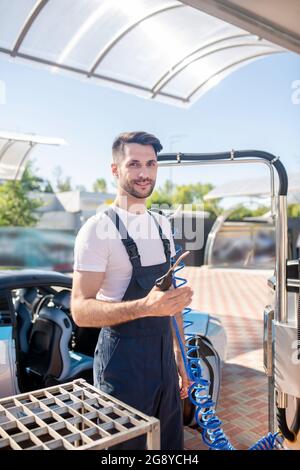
(70,209)
(50,244)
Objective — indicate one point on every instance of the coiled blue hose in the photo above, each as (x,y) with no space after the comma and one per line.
(205,413)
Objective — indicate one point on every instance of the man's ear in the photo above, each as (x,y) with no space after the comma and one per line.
(114,170)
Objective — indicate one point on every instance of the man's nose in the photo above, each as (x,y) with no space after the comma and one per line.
(144,172)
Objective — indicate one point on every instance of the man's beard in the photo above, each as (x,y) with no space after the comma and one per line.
(129,188)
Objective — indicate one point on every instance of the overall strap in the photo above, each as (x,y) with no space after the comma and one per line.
(164,239)
(127,241)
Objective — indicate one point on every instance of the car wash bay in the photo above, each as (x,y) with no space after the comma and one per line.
(238,298)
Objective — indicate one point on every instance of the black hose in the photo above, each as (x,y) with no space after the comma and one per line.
(298,315)
(289,433)
(296,423)
(283,426)
(283,179)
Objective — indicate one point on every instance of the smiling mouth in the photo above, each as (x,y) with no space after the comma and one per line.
(142,185)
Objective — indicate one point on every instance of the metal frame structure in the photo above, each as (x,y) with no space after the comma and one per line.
(176,69)
(279,213)
(123,33)
(157,89)
(168,75)
(88,73)
(12,138)
(256,19)
(79,71)
(228,67)
(72,416)
(27,25)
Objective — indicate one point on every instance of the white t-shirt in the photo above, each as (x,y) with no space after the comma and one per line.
(99,248)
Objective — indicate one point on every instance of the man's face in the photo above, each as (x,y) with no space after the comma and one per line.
(137,169)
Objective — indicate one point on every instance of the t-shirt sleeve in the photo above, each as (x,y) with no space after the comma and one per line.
(91,250)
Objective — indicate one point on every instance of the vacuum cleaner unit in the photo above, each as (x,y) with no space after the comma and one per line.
(281,321)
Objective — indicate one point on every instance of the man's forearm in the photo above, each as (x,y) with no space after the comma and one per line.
(99,313)
(179,321)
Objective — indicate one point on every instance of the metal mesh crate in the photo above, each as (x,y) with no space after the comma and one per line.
(72,416)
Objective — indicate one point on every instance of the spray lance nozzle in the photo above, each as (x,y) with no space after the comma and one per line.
(165,282)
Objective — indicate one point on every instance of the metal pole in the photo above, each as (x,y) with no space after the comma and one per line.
(281,292)
(281,259)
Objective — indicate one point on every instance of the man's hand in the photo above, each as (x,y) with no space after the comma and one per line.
(184,381)
(162,304)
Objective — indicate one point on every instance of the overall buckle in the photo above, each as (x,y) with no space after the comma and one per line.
(167,246)
(132,250)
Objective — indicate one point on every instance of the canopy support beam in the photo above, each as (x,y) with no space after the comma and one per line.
(245,19)
(8,144)
(255,56)
(123,33)
(79,71)
(26,155)
(27,25)
(202,56)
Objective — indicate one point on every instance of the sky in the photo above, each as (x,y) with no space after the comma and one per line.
(251,108)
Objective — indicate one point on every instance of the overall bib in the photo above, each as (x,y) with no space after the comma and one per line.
(134,361)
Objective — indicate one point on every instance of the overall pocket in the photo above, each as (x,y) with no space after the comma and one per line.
(106,347)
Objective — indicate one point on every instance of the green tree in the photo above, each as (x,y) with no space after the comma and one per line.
(80,187)
(100,186)
(242,211)
(162,195)
(16,206)
(194,194)
(294,211)
(168,187)
(47,188)
(184,194)
(158,198)
(62,183)
(32,182)
(200,190)
(213,208)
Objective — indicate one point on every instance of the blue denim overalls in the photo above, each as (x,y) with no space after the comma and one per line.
(135,362)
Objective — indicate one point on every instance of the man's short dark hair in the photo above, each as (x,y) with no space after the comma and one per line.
(137,137)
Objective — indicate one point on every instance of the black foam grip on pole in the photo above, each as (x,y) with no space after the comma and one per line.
(283,426)
(281,171)
(298,315)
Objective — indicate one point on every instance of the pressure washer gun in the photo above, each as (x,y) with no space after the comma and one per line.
(165,282)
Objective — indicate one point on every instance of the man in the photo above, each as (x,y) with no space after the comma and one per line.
(118,257)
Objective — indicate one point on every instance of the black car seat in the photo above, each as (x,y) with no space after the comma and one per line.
(24,317)
(49,360)
(84,339)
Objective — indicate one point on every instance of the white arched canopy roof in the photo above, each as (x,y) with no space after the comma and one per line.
(15,149)
(159,49)
(275,20)
(259,187)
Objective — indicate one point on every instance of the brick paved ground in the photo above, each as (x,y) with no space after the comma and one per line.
(238,299)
